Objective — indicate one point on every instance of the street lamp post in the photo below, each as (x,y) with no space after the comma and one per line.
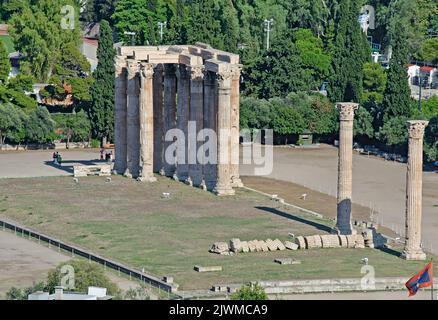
(162,25)
(268,24)
(132,35)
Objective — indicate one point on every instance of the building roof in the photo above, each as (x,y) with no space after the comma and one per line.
(427,68)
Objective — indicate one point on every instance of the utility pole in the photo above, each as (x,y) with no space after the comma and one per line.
(162,25)
(132,34)
(268,24)
(419,95)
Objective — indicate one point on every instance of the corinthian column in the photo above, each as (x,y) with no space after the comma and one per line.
(183,101)
(132,121)
(120,116)
(158,118)
(235,132)
(345,167)
(146,123)
(210,119)
(169,114)
(414,188)
(196,119)
(223,184)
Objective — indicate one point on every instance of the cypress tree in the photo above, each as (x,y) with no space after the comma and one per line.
(351,51)
(397,100)
(5,65)
(102,90)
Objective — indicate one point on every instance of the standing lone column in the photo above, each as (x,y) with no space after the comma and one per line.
(223,183)
(120,117)
(345,167)
(132,121)
(169,115)
(414,188)
(196,118)
(146,123)
(235,133)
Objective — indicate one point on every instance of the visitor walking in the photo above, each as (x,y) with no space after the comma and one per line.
(102,150)
(55,158)
(59,159)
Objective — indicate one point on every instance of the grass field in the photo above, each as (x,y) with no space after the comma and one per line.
(131,222)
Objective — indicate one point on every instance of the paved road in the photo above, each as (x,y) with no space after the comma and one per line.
(23,164)
(376,183)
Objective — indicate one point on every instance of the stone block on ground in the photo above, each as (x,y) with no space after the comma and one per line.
(207,269)
(301,242)
(245,247)
(343,241)
(330,241)
(220,248)
(355,241)
(284,261)
(313,242)
(280,245)
(251,246)
(272,246)
(290,245)
(235,245)
(264,246)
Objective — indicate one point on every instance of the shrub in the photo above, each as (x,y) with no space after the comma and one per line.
(250,292)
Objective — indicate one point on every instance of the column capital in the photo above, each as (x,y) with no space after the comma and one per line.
(416,128)
(224,77)
(132,67)
(346,110)
(147,70)
(236,69)
(196,72)
(120,64)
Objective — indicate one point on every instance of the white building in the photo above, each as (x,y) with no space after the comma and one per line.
(94,293)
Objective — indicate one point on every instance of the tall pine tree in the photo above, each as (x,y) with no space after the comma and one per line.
(102,91)
(351,51)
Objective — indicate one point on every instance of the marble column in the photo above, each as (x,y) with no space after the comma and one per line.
(158,118)
(132,120)
(169,114)
(146,123)
(183,102)
(210,122)
(223,183)
(196,118)
(345,167)
(414,188)
(235,132)
(120,144)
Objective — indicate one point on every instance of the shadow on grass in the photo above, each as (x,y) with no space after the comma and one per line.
(286,215)
(392,252)
(67,165)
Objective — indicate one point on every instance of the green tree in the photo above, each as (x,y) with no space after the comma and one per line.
(22,294)
(255,113)
(102,90)
(76,126)
(250,292)
(5,65)
(285,119)
(394,132)
(431,140)
(374,82)
(363,124)
(429,50)
(40,126)
(11,123)
(351,51)
(86,274)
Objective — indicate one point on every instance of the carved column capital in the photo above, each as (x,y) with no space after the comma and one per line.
(196,72)
(120,64)
(236,69)
(416,128)
(346,110)
(223,77)
(147,70)
(132,67)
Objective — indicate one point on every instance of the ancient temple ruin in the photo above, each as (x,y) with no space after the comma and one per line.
(190,88)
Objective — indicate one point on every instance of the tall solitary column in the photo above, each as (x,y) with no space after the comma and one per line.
(158,117)
(223,183)
(146,123)
(169,115)
(345,167)
(183,102)
(132,120)
(120,117)
(196,119)
(235,132)
(414,188)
